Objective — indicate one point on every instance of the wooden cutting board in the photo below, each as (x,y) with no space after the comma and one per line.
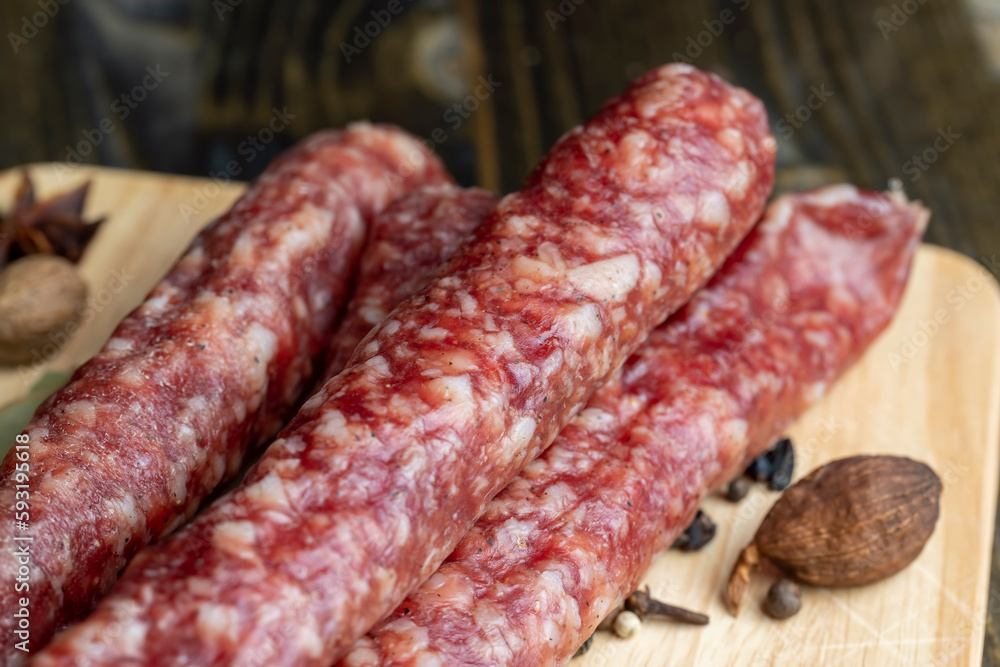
(929,388)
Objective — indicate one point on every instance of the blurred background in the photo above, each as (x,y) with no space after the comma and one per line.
(859,91)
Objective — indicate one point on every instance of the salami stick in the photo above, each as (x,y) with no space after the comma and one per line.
(571,536)
(211,364)
(381,473)
(407,243)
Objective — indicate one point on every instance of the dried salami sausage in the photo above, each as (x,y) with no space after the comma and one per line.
(572,535)
(210,365)
(383,471)
(407,242)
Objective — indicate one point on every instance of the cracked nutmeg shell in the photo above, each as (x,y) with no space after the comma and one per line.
(851,522)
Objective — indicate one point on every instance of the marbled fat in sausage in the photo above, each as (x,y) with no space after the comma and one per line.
(563,544)
(406,244)
(383,471)
(210,365)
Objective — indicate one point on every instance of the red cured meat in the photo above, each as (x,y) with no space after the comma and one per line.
(383,471)
(210,365)
(569,538)
(407,243)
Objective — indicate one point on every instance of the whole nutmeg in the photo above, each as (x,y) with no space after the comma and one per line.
(39,295)
(851,522)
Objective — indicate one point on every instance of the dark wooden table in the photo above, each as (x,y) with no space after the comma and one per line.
(858,91)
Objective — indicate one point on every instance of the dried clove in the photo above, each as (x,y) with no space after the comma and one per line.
(642,604)
(698,534)
(738,489)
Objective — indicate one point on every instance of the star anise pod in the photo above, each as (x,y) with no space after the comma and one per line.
(54,226)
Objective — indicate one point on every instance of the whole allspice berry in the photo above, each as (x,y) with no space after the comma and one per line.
(738,489)
(627,623)
(851,522)
(784,599)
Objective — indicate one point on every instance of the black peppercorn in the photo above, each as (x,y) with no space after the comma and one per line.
(698,534)
(782,457)
(774,466)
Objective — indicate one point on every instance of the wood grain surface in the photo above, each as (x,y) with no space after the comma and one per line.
(900,75)
(928,391)
(932,397)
